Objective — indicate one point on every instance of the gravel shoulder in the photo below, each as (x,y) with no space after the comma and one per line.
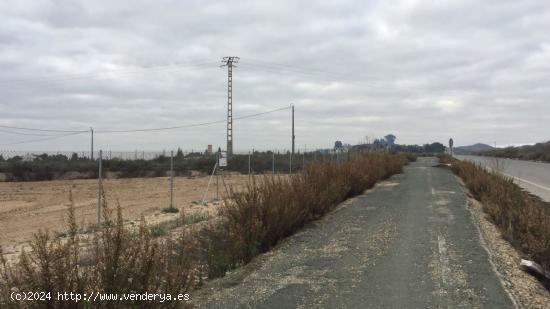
(410,242)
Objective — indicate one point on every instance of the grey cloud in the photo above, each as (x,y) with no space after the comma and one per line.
(476,71)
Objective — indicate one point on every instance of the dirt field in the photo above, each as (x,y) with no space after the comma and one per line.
(26,207)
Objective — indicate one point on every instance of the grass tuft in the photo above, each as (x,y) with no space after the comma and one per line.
(521,217)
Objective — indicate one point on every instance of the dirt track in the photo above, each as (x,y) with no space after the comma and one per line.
(26,207)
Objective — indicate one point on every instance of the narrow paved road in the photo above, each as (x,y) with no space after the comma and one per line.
(408,243)
(532,176)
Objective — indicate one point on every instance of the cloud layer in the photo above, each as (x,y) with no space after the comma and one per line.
(475,71)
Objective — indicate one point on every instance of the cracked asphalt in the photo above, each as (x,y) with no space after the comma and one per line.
(410,242)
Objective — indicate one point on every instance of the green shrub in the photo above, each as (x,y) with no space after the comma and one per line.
(170,210)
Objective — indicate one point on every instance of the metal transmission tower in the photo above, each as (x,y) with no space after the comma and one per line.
(229,63)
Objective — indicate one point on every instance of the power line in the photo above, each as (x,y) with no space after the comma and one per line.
(43,130)
(292,67)
(31,134)
(191,125)
(324,75)
(66,77)
(40,140)
(73,132)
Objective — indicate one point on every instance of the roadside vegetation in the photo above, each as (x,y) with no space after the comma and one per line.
(160,259)
(537,152)
(52,167)
(522,218)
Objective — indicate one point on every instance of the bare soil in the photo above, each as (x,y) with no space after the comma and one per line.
(26,207)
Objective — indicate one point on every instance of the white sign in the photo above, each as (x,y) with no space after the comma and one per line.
(222,159)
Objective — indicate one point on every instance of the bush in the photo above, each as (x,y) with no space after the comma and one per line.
(113,260)
(170,210)
(522,218)
(256,219)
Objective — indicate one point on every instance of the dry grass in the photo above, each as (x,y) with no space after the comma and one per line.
(115,259)
(259,217)
(522,218)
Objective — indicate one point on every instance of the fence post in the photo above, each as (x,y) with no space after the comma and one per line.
(99,189)
(273,162)
(172,179)
(249,164)
(217,177)
(290,162)
(303,160)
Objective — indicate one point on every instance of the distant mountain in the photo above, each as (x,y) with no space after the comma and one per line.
(537,152)
(465,150)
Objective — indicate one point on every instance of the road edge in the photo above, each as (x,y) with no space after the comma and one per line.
(523,290)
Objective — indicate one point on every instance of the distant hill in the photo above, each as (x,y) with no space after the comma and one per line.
(537,152)
(465,150)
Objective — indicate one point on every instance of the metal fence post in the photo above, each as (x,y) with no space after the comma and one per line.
(172,179)
(217,176)
(99,189)
(290,162)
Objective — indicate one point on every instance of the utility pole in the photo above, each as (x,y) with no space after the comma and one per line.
(92,149)
(229,63)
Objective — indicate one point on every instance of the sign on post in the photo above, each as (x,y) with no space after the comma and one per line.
(222,159)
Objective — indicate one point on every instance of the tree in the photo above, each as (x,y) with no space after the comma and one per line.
(15,159)
(379,143)
(74,156)
(434,147)
(390,139)
(179,154)
(338,145)
(1,158)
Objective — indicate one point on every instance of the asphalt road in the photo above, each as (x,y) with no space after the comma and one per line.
(532,176)
(408,243)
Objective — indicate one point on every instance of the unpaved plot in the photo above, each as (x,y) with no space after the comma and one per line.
(408,243)
(26,207)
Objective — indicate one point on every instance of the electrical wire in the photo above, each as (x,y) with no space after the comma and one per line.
(133,130)
(192,125)
(325,77)
(42,139)
(66,77)
(43,130)
(31,134)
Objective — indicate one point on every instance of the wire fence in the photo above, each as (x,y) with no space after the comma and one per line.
(167,164)
(29,155)
(39,166)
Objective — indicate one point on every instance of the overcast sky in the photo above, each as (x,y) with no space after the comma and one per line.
(477,71)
